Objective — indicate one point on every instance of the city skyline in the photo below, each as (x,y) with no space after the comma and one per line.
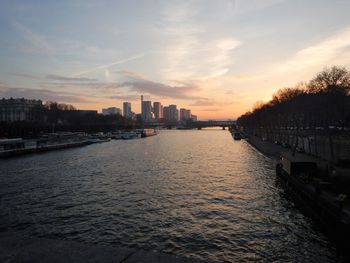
(156,112)
(217,58)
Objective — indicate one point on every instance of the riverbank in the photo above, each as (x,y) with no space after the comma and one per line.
(319,198)
(17,248)
(274,151)
(267,148)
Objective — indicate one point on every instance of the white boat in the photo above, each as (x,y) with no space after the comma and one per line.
(236,136)
(148,132)
(98,138)
(130,135)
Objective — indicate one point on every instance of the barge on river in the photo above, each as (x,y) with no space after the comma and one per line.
(324,191)
(148,132)
(53,141)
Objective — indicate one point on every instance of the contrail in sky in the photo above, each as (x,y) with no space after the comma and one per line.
(109,65)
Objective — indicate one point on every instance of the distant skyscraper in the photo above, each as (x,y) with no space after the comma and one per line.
(158,111)
(172,113)
(185,114)
(166,113)
(194,117)
(188,114)
(146,110)
(127,110)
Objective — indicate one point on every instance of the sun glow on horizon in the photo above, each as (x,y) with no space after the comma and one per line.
(215,58)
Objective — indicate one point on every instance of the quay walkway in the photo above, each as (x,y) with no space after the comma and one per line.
(17,248)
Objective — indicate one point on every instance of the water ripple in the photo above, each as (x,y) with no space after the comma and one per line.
(192,193)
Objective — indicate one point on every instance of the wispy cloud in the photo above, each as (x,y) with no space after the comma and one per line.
(243,7)
(205,102)
(37,42)
(125,97)
(212,109)
(54,77)
(131,84)
(318,54)
(160,89)
(28,76)
(43,94)
(137,83)
(188,54)
(63,78)
(131,74)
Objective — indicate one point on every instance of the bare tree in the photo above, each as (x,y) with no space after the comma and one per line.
(334,79)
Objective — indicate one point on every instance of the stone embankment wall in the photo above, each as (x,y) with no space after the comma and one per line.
(330,146)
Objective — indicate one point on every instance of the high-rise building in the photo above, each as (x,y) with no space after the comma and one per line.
(158,111)
(185,114)
(171,113)
(111,111)
(194,117)
(127,110)
(166,113)
(188,114)
(146,110)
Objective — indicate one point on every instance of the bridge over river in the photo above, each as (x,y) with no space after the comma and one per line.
(194,124)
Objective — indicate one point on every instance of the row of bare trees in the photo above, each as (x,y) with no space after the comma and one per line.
(321,105)
(322,102)
(53,117)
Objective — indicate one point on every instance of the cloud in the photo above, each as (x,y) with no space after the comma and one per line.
(188,52)
(125,97)
(318,54)
(29,76)
(130,74)
(37,42)
(138,83)
(62,78)
(129,81)
(160,89)
(243,7)
(211,102)
(204,102)
(54,77)
(43,94)
(212,109)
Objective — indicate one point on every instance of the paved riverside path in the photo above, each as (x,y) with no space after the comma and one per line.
(16,248)
(267,148)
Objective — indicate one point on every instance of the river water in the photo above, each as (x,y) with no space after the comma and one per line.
(192,193)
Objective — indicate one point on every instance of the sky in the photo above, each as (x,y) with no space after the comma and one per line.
(216,58)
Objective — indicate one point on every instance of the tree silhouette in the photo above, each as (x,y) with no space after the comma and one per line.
(321,105)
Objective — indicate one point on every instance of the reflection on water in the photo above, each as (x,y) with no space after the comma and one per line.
(192,193)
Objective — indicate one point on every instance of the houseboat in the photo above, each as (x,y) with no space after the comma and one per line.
(236,136)
(148,132)
(323,191)
(129,135)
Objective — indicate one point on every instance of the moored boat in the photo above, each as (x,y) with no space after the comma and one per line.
(319,191)
(47,142)
(148,132)
(117,135)
(129,135)
(98,138)
(236,135)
